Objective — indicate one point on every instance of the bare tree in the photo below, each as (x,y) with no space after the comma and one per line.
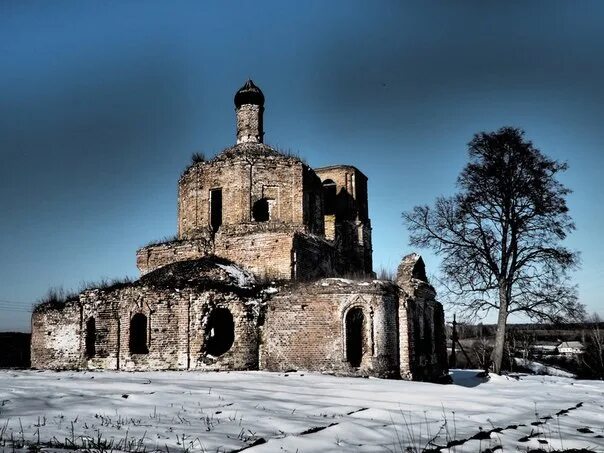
(522,342)
(593,357)
(499,236)
(482,351)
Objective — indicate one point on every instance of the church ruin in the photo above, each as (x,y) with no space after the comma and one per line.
(271,270)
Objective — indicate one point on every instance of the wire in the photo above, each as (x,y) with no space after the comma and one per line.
(15,306)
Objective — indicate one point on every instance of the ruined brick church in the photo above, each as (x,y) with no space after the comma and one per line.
(271,270)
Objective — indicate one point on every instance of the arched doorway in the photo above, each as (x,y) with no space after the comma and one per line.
(90,341)
(355,323)
(138,334)
(220,332)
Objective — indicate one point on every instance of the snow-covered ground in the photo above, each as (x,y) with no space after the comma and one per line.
(297,411)
(540,368)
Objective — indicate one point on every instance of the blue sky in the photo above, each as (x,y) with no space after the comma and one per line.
(102,104)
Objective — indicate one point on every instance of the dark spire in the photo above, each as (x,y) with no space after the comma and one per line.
(249,94)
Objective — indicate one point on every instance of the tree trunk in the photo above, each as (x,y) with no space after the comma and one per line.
(501,327)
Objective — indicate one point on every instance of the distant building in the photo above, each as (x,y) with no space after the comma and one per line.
(570,348)
(545,347)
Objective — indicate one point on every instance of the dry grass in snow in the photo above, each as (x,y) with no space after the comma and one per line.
(304,412)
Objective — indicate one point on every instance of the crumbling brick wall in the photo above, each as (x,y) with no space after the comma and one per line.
(155,256)
(267,252)
(422,331)
(56,337)
(305,328)
(271,251)
(349,226)
(400,332)
(314,257)
(176,330)
(246,174)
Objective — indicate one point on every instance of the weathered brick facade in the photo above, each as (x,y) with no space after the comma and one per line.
(251,215)
(305,328)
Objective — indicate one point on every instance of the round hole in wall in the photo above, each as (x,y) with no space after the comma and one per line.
(220,332)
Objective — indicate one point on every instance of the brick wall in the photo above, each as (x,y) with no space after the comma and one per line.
(267,253)
(305,328)
(176,331)
(246,174)
(269,250)
(422,346)
(302,326)
(56,338)
(350,227)
(155,256)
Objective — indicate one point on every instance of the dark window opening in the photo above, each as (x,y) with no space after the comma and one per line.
(215,209)
(261,211)
(90,338)
(220,332)
(312,206)
(329,197)
(138,334)
(354,336)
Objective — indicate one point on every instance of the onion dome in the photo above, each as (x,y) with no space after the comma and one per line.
(249,94)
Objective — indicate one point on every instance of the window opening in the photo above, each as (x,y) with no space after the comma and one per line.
(138,334)
(90,338)
(215,209)
(329,197)
(261,210)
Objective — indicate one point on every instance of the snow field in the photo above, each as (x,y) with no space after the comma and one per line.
(289,412)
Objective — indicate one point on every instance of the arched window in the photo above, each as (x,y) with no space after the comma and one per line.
(354,336)
(138,334)
(261,210)
(90,338)
(220,332)
(329,197)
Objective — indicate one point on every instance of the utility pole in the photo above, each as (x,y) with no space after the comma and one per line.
(452,358)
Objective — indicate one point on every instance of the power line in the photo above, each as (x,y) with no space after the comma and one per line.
(16,304)
(16,307)
(14,301)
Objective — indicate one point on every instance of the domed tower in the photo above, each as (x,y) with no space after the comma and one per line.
(261,209)
(248,187)
(249,104)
